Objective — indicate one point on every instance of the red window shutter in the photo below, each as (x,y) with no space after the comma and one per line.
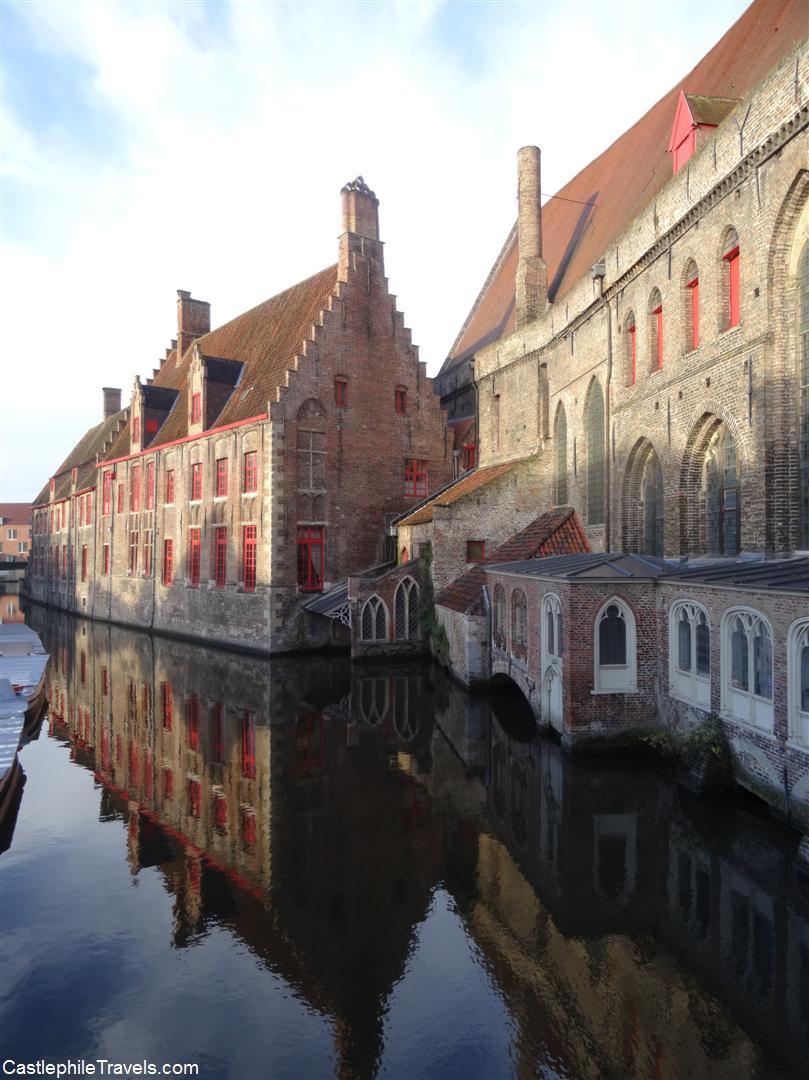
(694,288)
(106,498)
(249,557)
(151,427)
(194,555)
(168,784)
(248,827)
(250,472)
(220,555)
(169,485)
(150,485)
(194,798)
(468,456)
(340,392)
(196,481)
(220,811)
(167,702)
(168,562)
(310,559)
(221,477)
(658,315)
(196,408)
(134,494)
(193,722)
(734,299)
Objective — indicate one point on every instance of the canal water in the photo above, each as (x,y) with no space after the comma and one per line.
(299,868)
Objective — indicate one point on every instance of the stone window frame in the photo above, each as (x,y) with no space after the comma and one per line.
(738,703)
(616,678)
(560,454)
(551,605)
(630,348)
(656,331)
(373,607)
(689,686)
(519,623)
(596,461)
(499,616)
(406,602)
(691,308)
(729,279)
(797,718)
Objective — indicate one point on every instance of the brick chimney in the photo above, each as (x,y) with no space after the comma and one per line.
(532,274)
(360,232)
(112,401)
(193,320)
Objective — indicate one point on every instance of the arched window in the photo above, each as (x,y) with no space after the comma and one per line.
(594,428)
(655,331)
(798,681)
(691,307)
(615,654)
(499,616)
(405,607)
(374,700)
(690,653)
(374,620)
(803,378)
(405,708)
(721,489)
(551,627)
(519,623)
(651,492)
(747,667)
(560,452)
(730,305)
(631,349)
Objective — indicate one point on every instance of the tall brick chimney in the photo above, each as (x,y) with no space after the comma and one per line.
(532,274)
(193,320)
(112,401)
(360,232)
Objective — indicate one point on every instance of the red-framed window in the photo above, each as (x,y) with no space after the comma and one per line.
(475,550)
(105,559)
(249,557)
(194,551)
(196,481)
(135,429)
(734,286)
(221,477)
(121,497)
(469,456)
(416,480)
(310,559)
(693,289)
(194,798)
(84,554)
(400,399)
(152,427)
(88,510)
(147,552)
(167,704)
(341,391)
(168,562)
(149,485)
(134,492)
(168,783)
(220,811)
(248,827)
(657,315)
(218,733)
(107,494)
(133,552)
(169,486)
(250,472)
(220,555)
(192,720)
(196,408)
(249,745)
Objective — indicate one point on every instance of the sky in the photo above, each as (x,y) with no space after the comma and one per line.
(153,146)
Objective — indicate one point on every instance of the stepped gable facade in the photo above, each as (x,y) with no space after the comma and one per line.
(643,333)
(261,462)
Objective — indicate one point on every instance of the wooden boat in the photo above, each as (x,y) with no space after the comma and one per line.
(23,662)
(13,707)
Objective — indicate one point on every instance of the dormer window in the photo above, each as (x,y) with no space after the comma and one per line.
(695,113)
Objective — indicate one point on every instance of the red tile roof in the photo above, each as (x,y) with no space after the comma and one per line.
(623,180)
(471,481)
(265,339)
(556,532)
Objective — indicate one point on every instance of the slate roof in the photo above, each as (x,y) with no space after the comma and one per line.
(556,532)
(617,185)
(265,339)
(780,575)
(470,482)
(593,566)
(83,458)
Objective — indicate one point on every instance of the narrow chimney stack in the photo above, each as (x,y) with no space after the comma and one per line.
(193,320)
(112,401)
(532,274)
(360,233)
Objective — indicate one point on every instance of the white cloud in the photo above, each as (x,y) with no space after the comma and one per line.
(231,145)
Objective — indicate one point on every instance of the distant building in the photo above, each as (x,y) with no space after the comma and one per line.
(15,532)
(262,462)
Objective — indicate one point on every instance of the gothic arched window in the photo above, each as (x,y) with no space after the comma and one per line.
(560,452)
(690,653)
(798,681)
(721,487)
(405,608)
(499,616)
(519,623)
(374,620)
(652,503)
(594,427)
(746,654)
(615,666)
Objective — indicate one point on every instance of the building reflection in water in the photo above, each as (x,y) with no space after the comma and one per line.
(313,808)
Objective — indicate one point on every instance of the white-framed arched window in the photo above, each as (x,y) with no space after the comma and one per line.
(374,619)
(615,655)
(551,627)
(690,653)
(746,661)
(405,610)
(798,681)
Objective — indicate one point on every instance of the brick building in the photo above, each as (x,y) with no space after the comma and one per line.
(262,462)
(15,532)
